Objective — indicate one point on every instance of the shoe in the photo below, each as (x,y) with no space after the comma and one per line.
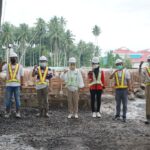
(70,116)
(38,114)
(124,120)
(7,115)
(76,116)
(47,115)
(98,115)
(18,115)
(94,115)
(116,117)
(147,122)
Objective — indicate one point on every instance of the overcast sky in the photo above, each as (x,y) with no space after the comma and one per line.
(123,23)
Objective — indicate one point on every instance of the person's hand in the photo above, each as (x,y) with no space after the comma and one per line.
(35,66)
(82,89)
(65,70)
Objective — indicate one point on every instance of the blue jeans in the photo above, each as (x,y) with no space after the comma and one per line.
(10,91)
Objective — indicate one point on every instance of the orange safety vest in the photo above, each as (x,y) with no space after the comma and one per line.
(120,85)
(13,75)
(148,71)
(98,81)
(42,78)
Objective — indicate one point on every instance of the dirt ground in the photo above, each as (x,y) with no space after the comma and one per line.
(85,133)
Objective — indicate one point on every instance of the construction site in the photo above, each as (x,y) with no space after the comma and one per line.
(57,132)
(64,88)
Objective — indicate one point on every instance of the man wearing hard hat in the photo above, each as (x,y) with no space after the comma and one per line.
(145,72)
(73,80)
(122,85)
(96,84)
(43,75)
(14,80)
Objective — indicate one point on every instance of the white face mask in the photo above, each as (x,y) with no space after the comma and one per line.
(43,64)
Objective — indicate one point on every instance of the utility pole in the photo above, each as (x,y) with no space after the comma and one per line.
(1,4)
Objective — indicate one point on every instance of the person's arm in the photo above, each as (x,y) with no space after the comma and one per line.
(80,78)
(34,71)
(103,79)
(129,84)
(21,76)
(113,74)
(128,77)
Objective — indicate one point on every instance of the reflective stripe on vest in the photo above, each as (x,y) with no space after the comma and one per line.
(42,78)
(13,75)
(72,79)
(120,86)
(98,81)
(148,70)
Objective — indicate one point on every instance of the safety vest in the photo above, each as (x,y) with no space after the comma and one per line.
(120,85)
(148,71)
(96,81)
(13,75)
(72,79)
(42,77)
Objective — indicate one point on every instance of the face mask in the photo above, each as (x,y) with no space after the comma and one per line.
(120,67)
(43,64)
(13,60)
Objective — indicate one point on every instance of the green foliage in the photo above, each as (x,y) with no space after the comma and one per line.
(109,60)
(51,39)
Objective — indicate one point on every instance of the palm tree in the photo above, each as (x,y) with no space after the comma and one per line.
(7,37)
(56,31)
(41,32)
(67,44)
(96,32)
(23,40)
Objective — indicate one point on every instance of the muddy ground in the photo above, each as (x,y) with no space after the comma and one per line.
(85,133)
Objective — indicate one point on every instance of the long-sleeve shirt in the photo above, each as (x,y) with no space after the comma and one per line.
(73,79)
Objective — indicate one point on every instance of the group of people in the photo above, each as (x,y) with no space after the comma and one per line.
(74,82)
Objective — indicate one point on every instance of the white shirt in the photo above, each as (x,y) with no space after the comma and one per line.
(19,74)
(79,79)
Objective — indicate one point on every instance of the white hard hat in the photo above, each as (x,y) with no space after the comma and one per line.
(43,58)
(95,60)
(148,57)
(72,60)
(13,54)
(118,61)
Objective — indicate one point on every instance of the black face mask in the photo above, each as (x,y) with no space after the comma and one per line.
(13,60)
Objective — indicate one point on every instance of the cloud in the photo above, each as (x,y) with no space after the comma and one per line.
(123,22)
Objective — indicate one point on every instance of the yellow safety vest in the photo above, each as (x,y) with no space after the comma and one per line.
(148,71)
(13,75)
(118,85)
(96,81)
(42,78)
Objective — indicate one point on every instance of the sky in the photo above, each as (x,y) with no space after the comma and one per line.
(123,23)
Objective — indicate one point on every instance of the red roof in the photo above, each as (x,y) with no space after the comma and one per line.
(145,53)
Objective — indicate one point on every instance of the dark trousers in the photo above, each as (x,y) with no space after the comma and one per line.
(96,97)
(121,96)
